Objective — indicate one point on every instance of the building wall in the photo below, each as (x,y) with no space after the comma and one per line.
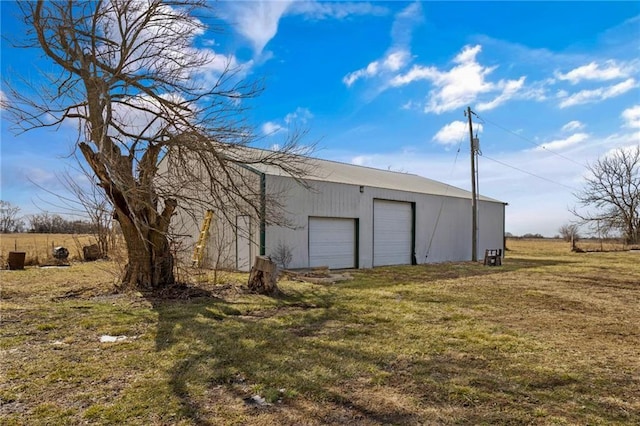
(491,227)
(222,244)
(442,224)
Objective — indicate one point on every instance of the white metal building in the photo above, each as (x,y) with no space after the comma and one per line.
(358,217)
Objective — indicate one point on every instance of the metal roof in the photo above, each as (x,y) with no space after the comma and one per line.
(351,174)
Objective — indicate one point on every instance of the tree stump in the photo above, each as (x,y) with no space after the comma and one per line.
(91,253)
(264,276)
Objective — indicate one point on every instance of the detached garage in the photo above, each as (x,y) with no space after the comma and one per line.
(348,216)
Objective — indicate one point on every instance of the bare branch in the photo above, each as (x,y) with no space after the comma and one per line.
(612,191)
(153,126)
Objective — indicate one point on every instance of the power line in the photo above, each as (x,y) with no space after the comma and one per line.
(530,141)
(529,173)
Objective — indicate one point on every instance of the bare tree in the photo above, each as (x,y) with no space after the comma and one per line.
(94,204)
(86,201)
(43,223)
(154,126)
(282,255)
(9,219)
(569,232)
(612,191)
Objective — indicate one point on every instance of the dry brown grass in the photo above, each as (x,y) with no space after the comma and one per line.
(38,246)
(551,337)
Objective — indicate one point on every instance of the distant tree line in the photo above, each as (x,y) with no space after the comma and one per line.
(528,235)
(41,223)
(46,223)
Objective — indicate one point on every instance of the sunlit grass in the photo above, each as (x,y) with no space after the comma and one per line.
(551,337)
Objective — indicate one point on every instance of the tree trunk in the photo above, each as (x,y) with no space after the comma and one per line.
(150,265)
(263,277)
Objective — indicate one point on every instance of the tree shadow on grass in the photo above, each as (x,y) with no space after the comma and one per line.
(314,361)
(232,343)
(280,353)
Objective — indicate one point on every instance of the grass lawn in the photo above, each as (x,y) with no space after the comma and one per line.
(550,337)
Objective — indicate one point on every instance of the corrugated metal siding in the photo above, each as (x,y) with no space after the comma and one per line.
(490,218)
(442,214)
(243,243)
(450,234)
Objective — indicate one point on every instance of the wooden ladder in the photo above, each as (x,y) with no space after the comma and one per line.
(198,250)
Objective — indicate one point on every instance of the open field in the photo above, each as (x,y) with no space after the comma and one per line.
(38,246)
(551,337)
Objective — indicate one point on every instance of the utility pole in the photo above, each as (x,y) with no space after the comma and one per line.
(474,205)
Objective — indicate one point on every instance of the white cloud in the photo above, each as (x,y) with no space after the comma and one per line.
(595,95)
(361,160)
(417,72)
(3,100)
(462,84)
(398,54)
(369,71)
(509,89)
(300,115)
(610,70)
(145,116)
(411,105)
(629,150)
(42,177)
(392,62)
(455,132)
(631,117)
(160,44)
(258,21)
(396,60)
(166,45)
(573,125)
(270,128)
(404,23)
(336,10)
(468,54)
(559,144)
(219,65)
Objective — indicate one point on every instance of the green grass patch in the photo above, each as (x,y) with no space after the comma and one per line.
(548,338)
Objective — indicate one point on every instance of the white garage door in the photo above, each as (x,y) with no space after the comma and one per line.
(392,233)
(332,242)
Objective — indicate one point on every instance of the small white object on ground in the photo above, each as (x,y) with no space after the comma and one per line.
(111,339)
(256,400)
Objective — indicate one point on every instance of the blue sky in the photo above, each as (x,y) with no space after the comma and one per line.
(555,86)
